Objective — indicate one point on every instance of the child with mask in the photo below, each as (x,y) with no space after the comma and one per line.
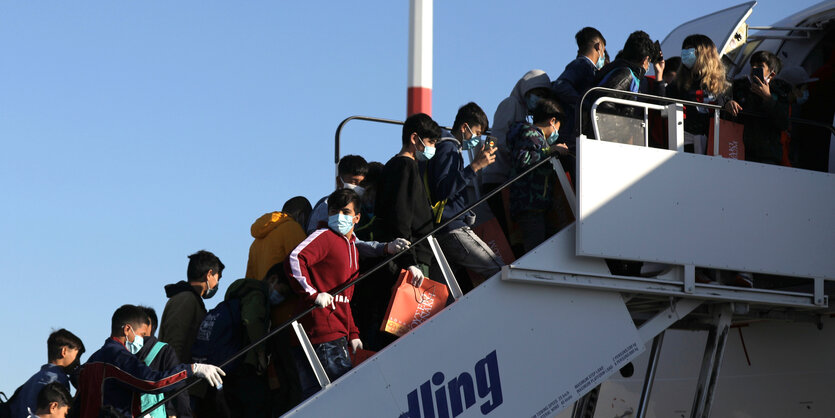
(700,78)
(326,260)
(114,376)
(64,352)
(351,171)
(532,202)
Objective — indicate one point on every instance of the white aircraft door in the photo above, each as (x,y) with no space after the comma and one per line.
(727,29)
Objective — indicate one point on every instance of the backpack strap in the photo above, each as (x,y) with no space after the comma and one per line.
(437,207)
(153,353)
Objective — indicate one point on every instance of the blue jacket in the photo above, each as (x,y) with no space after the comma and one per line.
(113,376)
(28,395)
(570,86)
(448,179)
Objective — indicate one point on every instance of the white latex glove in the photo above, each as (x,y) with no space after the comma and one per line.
(209,372)
(417,276)
(356,344)
(396,246)
(324,299)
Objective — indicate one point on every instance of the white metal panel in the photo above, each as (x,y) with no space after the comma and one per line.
(650,204)
(546,346)
(719,27)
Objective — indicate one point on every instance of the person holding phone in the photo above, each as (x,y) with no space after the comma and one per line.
(765,101)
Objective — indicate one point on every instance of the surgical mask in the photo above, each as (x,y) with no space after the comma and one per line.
(341,222)
(275,297)
(136,345)
(803,97)
(552,139)
(427,153)
(601,61)
(472,142)
(358,189)
(211,292)
(532,100)
(688,57)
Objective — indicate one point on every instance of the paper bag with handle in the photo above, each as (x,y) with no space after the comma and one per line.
(410,306)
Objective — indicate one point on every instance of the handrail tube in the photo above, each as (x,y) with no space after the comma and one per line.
(342,288)
(686,102)
(366,118)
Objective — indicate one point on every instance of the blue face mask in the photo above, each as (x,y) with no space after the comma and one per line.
(136,345)
(275,297)
(427,153)
(601,61)
(210,292)
(341,223)
(552,139)
(532,99)
(472,142)
(804,97)
(688,57)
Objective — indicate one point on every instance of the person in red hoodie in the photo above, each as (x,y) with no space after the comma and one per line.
(324,261)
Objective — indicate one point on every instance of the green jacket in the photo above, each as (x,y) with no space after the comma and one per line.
(255,316)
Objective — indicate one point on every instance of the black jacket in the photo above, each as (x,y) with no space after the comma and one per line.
(763,129)
(403,210)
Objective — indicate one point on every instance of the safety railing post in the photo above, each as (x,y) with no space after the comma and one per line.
(310,353)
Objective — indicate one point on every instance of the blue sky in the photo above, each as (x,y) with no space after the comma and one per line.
(135,133)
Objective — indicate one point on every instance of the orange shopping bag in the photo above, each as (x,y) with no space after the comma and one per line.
(410,306)
(730,140)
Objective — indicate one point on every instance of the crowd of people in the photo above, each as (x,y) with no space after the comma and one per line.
(302,253)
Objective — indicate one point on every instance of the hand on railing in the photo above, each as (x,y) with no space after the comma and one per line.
(323,299)
(398,245)
(210,372)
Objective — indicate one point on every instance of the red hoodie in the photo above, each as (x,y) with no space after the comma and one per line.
(321,263)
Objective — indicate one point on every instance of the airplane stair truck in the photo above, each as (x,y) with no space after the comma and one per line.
(551,327)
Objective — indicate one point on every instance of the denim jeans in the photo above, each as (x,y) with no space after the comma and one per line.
(463,248)
(334,357)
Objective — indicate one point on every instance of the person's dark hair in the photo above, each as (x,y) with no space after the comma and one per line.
(52,392)
(60,339)
(423,125)
(199,265)
(767,58)
(639,46)
(127,315)
(352,165)
(586,38)
(472,115)
(546,109)
(299,208)
(696,40)
(277,270)
(671,65)
(341,198)
(153,319)
(375,169)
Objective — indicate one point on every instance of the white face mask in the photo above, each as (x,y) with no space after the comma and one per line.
(359,190)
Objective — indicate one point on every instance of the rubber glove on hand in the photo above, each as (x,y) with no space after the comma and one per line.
(417,276)
(210,372)
(356,344)
(324,299)
(396,246)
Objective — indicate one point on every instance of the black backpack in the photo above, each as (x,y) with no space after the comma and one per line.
(220,335)
(6,402)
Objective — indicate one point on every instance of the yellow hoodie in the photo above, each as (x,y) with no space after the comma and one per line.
(276,235)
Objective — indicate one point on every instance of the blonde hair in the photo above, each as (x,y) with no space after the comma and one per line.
(709,70)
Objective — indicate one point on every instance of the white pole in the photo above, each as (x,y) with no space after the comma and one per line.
(419,93)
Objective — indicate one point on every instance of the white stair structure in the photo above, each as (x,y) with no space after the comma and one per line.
(535,339)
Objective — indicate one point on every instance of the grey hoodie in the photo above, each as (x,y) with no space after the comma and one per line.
(510,110)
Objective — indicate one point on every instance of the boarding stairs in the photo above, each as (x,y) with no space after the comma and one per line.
(552,326)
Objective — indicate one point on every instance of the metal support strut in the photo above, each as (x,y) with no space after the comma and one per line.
(654,354)
(712,360)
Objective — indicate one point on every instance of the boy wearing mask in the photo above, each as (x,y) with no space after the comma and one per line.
(64,352)
(351,172)
(115,377)
(327,259)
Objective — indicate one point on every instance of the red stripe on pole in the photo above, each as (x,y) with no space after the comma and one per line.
(419,101)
